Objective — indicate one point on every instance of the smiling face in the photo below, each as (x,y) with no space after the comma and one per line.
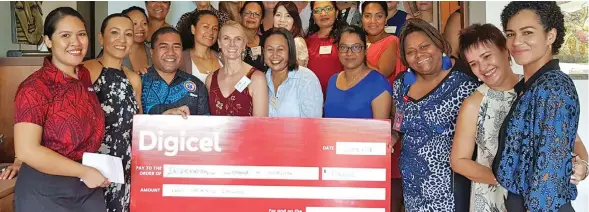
(276,52)
(324,14)
(68,43)
(351,50)
(117,38)
(139,26)
(422,55)
(526,39)
(252,16)
(489,63)
(232,42)
(206,30)
(158,9)
(167,52)
(283,19)
(373,19)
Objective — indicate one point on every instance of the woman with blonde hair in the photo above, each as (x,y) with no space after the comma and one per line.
(236,89)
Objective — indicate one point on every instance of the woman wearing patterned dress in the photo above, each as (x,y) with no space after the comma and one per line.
(481,115)
(57,118)
(117,89)
(236,89)
(426,103)
(538,134)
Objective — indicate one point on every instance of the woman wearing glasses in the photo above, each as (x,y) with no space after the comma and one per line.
(323,29)
(358,91)
(252,13)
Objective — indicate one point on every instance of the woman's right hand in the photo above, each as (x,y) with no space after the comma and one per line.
(93,178)
(141,71)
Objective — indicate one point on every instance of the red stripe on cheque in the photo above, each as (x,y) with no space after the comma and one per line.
(245,164)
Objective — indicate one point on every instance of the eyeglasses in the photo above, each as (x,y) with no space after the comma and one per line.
(250,13)
(356,48)
(321,9)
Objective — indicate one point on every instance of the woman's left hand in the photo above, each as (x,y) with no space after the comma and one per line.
(579,171)
(9,172)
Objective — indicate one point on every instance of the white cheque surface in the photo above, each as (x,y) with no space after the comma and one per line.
(241,172)
(273,192)
(354,174)
(361,148)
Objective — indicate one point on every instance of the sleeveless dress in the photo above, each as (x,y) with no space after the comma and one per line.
(494,107)
(117,99)
(236,104)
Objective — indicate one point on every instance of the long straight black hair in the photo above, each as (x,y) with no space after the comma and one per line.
(314,28)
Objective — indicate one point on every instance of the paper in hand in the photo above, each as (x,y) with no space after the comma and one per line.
(111,167)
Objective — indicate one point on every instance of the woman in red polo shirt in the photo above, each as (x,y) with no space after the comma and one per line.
(58,118)
(323,29)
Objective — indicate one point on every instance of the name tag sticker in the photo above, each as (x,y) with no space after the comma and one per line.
(193,95)
(390,29)
(257,50)
(242,84)
(325,50)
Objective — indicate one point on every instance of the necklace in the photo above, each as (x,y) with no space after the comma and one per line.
(207,64)
(349,83)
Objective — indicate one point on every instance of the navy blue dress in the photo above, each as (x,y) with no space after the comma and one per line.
(398,20)
(427,129)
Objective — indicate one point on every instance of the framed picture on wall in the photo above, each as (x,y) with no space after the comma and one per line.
(574,52)
(26,22)
(425,10)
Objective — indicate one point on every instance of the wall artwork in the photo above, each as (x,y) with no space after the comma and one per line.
(576,16)
(27,22)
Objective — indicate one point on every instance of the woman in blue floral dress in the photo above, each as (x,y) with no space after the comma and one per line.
(427,99)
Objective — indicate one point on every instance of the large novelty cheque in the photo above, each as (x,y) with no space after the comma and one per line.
(245,164)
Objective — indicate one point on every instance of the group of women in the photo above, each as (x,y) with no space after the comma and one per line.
(497,143)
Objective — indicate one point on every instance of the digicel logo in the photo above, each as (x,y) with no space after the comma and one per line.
(148,140)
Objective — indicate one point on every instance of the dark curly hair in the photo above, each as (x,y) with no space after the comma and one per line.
(548,12)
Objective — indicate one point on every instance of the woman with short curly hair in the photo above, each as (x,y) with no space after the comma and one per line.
(538,134)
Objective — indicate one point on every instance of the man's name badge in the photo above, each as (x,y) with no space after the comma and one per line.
(242,84)
(325,50)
